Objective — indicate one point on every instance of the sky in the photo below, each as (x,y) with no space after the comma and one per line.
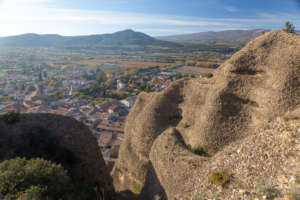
(153,17)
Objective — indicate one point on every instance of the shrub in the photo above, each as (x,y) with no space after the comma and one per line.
(138,189)
(198,150)
(33,179)
(209,75)
(34,192)
(289,27)
(220,177)
(269,192)
(11,117)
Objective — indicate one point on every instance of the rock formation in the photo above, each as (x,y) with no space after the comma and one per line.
(60,139)
(222,115)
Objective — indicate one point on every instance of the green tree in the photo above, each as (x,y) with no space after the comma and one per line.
(33,179)
(289,27)
(100,76)
(11,117)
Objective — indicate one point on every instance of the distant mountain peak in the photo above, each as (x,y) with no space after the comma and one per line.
(127,30)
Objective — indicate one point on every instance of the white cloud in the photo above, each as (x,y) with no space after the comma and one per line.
(41,16)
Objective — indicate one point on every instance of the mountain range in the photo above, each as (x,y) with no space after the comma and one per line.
(122,39)
(222,41)
(232,38)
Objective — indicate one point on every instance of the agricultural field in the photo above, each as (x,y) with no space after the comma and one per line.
(194,70)
(126,64)
(5,72)
(2,73)
(113,65)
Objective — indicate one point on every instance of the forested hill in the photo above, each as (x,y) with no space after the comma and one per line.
(121,39)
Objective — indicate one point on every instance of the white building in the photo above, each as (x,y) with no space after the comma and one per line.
(129,101)
(121,86)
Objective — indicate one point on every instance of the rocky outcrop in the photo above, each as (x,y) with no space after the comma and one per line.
(256,85)
(60,139)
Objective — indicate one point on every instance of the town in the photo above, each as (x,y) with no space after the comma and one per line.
(97,92)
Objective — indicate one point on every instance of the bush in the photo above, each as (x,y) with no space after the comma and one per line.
(33,179)
(289,27)
(219,177)
(37,142)
(198,150)
(209,75)
(11,117)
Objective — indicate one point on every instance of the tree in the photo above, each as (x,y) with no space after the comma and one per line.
(100,76)
(11,117)
(289,27)
(33,179)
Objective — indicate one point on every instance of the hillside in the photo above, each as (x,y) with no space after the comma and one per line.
(220,138)
(232,38)
(123,39)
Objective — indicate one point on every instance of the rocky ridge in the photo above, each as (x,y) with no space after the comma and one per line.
(226,116)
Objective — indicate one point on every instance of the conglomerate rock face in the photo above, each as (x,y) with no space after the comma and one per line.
(256,85)
(60,139)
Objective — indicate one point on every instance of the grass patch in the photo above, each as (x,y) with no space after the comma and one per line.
(138,189)
(2,74)
(269,192)
(219,177)
(292,194)
(298,179)
(208,75)
(198,150)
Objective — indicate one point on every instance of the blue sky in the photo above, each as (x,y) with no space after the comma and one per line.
(154,17)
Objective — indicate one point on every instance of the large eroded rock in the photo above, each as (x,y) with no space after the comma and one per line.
(60,139)
(259,83)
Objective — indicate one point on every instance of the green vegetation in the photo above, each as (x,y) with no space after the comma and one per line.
(298,179)
(33,179)
(56,95)
(11,117)
(289,27)
(292,194)
(2,73)
(36,142)
(198,150)
(145,87)
(220,177)
(6,99)
(209,75)
(138,189)
(268,191)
